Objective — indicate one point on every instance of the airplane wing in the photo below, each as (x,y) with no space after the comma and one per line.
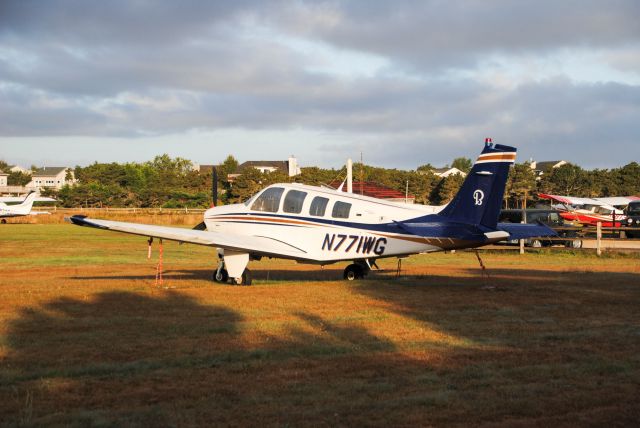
(524,231)
(21,198)
(618,200)
(571,200)
(247,244)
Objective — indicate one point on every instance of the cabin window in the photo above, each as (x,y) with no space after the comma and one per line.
(269,200)
(318,206)
(293,201)
(341,210)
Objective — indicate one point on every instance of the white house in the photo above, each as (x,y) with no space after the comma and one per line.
(18,168)
(445,172)
(545,167)
(3,179)
(290,167)
(51,176)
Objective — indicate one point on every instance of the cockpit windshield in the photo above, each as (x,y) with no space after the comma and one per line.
(269,200)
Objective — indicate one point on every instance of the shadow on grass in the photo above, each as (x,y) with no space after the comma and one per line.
(553,349)
(127,358)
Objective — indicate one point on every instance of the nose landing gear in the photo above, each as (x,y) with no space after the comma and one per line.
(221,275)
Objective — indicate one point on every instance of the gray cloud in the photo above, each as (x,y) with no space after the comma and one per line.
(133,69)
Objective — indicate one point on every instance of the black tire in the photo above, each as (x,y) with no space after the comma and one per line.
(246,277)
(221,276)
(574,243)
(4,221)
(353,272)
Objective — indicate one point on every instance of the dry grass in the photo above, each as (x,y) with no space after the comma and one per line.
(87,339)
(141,215)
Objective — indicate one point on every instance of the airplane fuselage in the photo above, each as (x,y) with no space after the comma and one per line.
(326,224)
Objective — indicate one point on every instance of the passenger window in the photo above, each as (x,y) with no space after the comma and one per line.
(269,200)
(293,201)
(318,206)
(341,210)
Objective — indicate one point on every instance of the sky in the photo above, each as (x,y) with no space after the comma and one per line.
(400,83)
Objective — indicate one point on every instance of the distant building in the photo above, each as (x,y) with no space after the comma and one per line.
(446,171)
(3,179)
(289,167)
(18,168)
(374,190)
(51,177)
(545,167)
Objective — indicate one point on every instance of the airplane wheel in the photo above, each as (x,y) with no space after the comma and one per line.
(246,277)
(536,243)
(221,276)
(353,272)
(576,243)
(4,221)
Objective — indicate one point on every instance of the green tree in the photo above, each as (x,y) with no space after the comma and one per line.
(228,166)
(18,178)
(567,179)
(627,179)
(463,164)
(446,189)
(521,184)
(245,185)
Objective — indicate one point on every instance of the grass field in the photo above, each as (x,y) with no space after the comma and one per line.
(86,339)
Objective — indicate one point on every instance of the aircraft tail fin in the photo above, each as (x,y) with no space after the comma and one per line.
(479,200)
(26,205)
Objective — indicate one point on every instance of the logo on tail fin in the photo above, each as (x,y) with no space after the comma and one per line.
(478,196)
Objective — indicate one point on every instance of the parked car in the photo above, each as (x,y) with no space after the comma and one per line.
(549,217)
(633,219)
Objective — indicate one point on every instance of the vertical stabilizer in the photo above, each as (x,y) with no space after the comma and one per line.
(479,199)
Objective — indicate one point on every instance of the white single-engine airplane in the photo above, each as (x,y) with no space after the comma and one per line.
(323,226)
(21,209)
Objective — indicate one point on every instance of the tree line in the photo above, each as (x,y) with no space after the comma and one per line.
(173,183)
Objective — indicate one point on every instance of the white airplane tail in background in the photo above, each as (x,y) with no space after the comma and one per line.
(21,209)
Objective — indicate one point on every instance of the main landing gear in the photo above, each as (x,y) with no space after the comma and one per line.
(222,276)
(356,271)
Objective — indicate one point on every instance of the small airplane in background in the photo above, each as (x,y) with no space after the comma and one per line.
(590,211)
(21,209)
(323,226)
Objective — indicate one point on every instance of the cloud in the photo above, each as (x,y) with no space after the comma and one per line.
(394,79)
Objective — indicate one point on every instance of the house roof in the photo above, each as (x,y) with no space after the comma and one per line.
(546,165)
(49,171)
(374,190)
(441,170)
(281,165)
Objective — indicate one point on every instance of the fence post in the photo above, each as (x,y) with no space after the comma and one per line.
(599,238)
(521,241)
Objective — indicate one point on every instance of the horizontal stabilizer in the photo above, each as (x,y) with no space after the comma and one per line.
(524,231)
